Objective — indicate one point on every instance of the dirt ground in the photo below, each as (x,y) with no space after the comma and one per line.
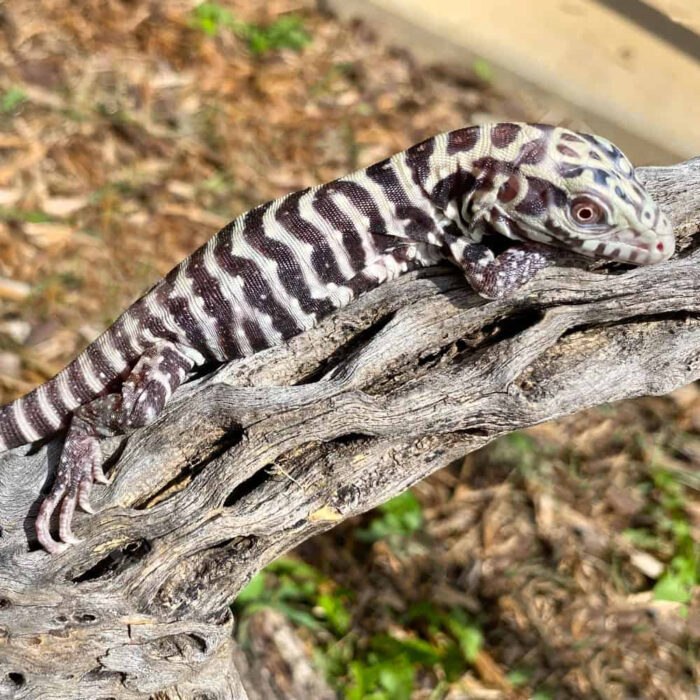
(562,562)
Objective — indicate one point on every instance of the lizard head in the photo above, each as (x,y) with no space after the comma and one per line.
(580,192)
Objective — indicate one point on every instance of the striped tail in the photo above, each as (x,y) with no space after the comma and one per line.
(48,408)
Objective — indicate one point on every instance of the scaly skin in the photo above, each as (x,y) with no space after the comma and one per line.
(278,269)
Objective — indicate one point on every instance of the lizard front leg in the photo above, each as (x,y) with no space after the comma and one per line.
(498,277)
(155,376)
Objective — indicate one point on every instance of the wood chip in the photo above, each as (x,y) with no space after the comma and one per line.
(47,234)
(9,197)
(14,290)
(199,216)
(648,565)
(181,189)
(63,206)
(17,330)
(325,513)
(10,364)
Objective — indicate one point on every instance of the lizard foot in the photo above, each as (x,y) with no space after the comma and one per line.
(79,467)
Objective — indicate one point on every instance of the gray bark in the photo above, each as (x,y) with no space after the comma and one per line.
(266,452)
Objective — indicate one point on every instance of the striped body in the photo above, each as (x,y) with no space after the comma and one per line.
(278,269)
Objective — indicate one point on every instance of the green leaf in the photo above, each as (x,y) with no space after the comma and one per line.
(11,98)
(292,590)
(642,538)
(294,567)
(335,612)
(470,639)
(412,649)
(10,214)
(254,591)
(401,516)
(483,70)
(424,610)
(360,681)
(288,32)
(405,502)
(390,679)
(541,695)
(258,42)
(673,588)
(467,634)
(297,616)
(210,17)
(397,678)
(517,677)
(680,528)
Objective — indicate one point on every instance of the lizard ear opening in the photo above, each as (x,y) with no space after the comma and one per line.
(508,191)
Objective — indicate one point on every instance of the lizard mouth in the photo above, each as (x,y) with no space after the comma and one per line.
(630,246)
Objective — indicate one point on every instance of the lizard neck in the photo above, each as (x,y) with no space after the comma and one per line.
(471,174)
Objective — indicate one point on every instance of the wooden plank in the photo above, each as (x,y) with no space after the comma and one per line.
(591,56)
(685,12)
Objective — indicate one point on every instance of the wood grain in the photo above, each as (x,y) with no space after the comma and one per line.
(251,460)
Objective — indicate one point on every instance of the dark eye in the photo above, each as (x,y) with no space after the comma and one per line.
(586,211)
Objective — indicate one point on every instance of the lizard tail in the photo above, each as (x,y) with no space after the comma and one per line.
(48,408)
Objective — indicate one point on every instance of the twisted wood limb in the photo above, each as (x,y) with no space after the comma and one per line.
(249,461)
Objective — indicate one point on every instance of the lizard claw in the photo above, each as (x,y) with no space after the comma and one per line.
(44,516)
(84,495)
(66,517)
(99,476)
(85,506)
(55,547)
(69,539)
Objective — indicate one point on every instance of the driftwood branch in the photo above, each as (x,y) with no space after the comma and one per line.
(251,460)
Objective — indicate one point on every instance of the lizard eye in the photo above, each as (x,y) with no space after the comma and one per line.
(586,211)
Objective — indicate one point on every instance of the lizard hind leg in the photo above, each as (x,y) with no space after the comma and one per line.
(144,393)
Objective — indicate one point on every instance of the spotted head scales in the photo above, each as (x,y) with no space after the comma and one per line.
(590,201)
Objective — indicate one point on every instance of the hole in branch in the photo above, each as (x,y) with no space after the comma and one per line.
(190,471)
(85,618)
(344,351)
(247,487)
(200,642)
(116,561)
(17,679)
(351,438)
(509,327)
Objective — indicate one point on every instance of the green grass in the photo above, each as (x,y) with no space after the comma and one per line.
(11,98)
(518,677)
(358,664)
(295,589)
(219,183)
(399,518)
(211,18)
(683,571)
(671,536)
(29,216)
(287,32)
(389,662)
(483,70)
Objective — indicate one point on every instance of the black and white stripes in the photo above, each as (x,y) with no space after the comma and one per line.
(47,409)
(281,267)
(269,275)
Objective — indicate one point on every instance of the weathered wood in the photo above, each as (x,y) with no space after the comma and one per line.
(265,452)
